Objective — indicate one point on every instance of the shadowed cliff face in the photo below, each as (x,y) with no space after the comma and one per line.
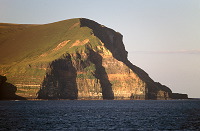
(111,39)
(7,90)
(60,81)
(101,74)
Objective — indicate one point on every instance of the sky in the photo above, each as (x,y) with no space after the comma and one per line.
(161,36)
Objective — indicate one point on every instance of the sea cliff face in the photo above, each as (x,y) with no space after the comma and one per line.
(80,59)
(7,90)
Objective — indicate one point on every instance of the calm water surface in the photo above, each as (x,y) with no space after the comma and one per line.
(100,115)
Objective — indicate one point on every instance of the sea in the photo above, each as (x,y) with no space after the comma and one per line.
(91,115)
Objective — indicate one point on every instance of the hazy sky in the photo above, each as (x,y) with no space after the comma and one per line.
(161,36)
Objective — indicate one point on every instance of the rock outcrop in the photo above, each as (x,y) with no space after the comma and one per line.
(77,59)
(7,90)
(179,96)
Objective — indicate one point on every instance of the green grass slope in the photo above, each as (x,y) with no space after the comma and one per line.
(32,41)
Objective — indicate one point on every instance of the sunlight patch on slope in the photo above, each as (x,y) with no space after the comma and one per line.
(58,47)
(80,43)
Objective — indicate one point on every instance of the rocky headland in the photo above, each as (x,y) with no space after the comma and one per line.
(72,59)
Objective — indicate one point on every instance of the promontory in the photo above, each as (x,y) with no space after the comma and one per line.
(71,59)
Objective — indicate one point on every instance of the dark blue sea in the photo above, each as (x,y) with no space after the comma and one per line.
(128,115)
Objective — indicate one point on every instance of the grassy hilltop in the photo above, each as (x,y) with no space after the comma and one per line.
(20,42)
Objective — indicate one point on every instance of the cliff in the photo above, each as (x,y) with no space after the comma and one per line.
(73,59)
(7,90)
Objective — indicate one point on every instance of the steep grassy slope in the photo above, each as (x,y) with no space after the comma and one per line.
(72,59)
(35,40)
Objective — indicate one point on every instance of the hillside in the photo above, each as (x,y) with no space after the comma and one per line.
(72,59)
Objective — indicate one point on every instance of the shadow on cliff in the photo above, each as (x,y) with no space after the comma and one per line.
(112,40)
(7,90)
(101,74)
(60,81)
